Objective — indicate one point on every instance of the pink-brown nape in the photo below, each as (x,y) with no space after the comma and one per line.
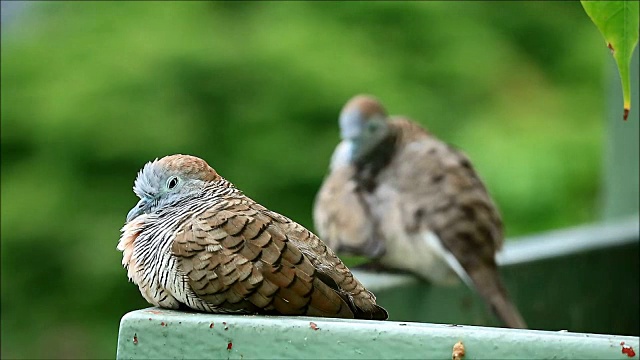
(190,165)
(367,105)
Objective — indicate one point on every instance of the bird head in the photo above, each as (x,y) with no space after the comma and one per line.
(170,179)
(363,125)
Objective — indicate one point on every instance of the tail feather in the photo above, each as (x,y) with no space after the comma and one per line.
(507,312)
(375,312)
(489,286)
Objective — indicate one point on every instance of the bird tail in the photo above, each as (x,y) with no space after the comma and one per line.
(373,312)
(363,307)
(490,287)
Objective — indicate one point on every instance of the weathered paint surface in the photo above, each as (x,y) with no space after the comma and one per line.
(156,333)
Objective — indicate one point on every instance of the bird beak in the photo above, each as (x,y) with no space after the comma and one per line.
(137,210)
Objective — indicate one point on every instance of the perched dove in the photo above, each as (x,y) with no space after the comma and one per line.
(397,194)
(195,240)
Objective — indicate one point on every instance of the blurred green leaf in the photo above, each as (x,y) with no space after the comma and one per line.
(618,23)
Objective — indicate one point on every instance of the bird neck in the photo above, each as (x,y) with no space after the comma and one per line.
(370,165)
(221,188)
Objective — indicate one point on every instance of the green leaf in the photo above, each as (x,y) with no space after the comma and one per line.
(618,23)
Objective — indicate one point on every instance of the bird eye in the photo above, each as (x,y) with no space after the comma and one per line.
(372,126)
(172,183)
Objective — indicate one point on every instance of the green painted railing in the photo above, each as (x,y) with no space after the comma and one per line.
(154,333)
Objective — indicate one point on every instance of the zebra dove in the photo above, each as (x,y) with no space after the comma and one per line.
(398,195)
(195,240)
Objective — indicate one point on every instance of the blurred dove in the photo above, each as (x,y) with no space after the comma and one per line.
(195,240)
(398,195)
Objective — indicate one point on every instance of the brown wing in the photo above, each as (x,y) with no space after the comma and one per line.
(443,193)
(332,271)
(236,257)
(342,219)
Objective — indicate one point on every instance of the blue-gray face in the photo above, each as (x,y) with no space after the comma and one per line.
(156,187)
(362,133)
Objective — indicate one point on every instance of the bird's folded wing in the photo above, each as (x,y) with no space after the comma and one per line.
(333,272)
(238,257)
(442,193)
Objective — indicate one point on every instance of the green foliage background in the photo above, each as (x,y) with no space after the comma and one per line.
(93,90)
